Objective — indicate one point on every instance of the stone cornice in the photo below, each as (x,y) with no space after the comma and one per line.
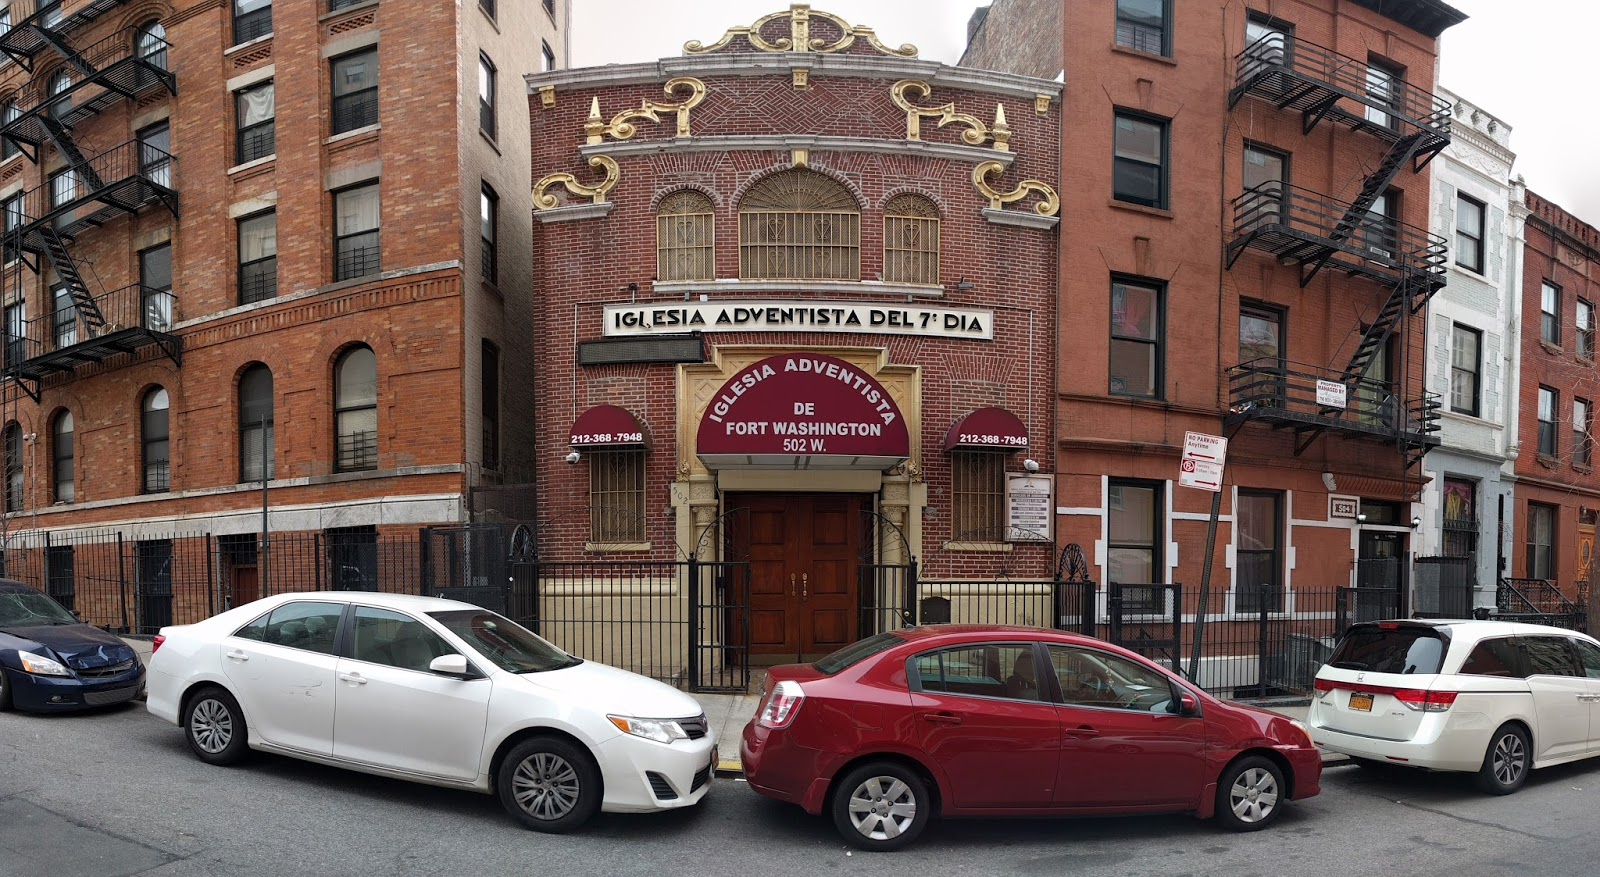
(790,287)
(788,142)
(1021,218)
(783,65)
(573,212)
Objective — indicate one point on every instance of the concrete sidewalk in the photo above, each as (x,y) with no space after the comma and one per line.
(729,713)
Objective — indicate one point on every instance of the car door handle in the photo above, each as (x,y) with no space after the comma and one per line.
(237,655)
(355,678)
(942,718)
(1080,731)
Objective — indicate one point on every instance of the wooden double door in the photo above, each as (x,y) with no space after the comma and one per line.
(805,554)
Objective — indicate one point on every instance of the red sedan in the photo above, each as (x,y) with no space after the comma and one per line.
(1012,721)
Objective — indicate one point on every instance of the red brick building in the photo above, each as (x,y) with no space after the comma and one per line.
(1557,494)
(797,288)
(258,241)
(1244,253)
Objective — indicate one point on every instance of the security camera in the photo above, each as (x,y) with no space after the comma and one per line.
(1031,465)
(573,457)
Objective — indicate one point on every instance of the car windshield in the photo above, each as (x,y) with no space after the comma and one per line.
(508,644)
(1400,649)
(857,652)
(25,608)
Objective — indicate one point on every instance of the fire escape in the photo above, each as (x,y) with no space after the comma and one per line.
(87,192)
(1318,232)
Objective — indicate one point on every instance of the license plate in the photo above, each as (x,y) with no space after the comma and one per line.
(1362,702)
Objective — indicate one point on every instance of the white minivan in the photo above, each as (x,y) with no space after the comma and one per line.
(1491,697)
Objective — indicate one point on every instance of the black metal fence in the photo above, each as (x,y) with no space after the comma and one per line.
(1540,601)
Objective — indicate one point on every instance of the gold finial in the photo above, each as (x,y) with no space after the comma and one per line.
(800,16)
(594,128)
(1002,131)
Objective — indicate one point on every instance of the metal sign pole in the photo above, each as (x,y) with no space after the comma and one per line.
(1205,585)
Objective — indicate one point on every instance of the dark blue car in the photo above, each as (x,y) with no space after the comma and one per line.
(49,660)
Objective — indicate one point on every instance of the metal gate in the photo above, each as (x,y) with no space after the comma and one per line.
(467,564)
(1148,619)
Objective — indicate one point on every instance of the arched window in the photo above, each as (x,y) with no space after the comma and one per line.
(684,237)
(910,240)
(151,44)
(61,457)
(157,440)
(257,443)
(58,84)
(799,225)
(355,410)
(13,443)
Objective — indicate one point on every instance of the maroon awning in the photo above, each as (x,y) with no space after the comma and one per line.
(608,426)
(987,429)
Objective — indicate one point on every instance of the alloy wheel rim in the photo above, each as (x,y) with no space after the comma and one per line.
(546,786)
(882,808)
(1509,759)
(211,726)
(1254,795)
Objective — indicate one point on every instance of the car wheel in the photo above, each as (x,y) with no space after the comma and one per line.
(549,784)
(1506,764)
(5,692)
(1250,794)
(881,806)
(215,727)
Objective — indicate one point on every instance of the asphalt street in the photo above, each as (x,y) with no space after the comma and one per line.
(118,793)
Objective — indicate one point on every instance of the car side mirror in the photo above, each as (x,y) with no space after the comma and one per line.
(449,665)
(1188,704)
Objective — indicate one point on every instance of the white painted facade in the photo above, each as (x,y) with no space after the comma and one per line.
(1477,429)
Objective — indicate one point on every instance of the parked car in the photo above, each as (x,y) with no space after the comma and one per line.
(1491,697)
(51,661)
(434,691)
(945,720)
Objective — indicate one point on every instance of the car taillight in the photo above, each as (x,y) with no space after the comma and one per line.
(155,644)
(782,705)
(1426,701)
(1323,687)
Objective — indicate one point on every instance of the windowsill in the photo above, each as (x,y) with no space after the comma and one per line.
(1552,349)
(1548,461)
(493,289)
(493,144)
(1140,53)
(615,547)
(4,162)
(491,19)
(1586,360)
(239,47)
(348,9)
(990,547)
(1475,273)
(353,133)
(251,165)
(1584,468)
(1130,397)
(1140,208)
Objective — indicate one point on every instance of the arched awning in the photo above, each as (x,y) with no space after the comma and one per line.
(608,426)
(987,429)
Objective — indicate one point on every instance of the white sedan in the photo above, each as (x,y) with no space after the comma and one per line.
(1490,697)
(437,692)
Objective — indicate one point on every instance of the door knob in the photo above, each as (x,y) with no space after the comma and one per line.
(791,584)
(805,587)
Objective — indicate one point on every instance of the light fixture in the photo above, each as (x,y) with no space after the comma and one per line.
(964,283)
(1329,482)
(1361,518)
(1415,522)
(1031,465)
(574,457)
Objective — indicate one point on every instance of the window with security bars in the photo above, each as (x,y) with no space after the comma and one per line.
(799,225)
(356,245)
(61,458)
(977,496)
(252,19)
(685,239)
(256,439)
(1259,565)
(1134,531)
(157,443)
(60,580)
(355,393)
(1460,517)
(13,447)
(616,496)
(910,240)
(257,122)
(258,257)
(355,91)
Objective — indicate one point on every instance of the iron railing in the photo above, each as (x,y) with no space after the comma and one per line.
(356,110)
(1292,222)
(1539,601)
(119,70)
(135,316)
(26,38)
(122,179)
(1298,394)
(252,25)
(1293,72)
(358,256)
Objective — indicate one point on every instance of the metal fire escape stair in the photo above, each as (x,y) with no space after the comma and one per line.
(1358,214)
(67,270)
(61,138)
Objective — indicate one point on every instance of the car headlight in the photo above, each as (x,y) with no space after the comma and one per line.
(39,665)
(1306,732)
(659,730)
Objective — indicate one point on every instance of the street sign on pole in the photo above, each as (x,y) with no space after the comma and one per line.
(1203,458)
(1199,474)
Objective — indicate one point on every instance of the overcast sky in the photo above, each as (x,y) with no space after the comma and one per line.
(1517,59)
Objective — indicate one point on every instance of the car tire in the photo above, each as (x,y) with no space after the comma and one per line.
(1507,761)
(5,691)
(881,806)
(215,727)
(549,784)
(1251,794)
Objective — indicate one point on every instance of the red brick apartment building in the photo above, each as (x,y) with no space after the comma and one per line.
(1557,495)
(798,287)
(253,242)
(1244,252)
